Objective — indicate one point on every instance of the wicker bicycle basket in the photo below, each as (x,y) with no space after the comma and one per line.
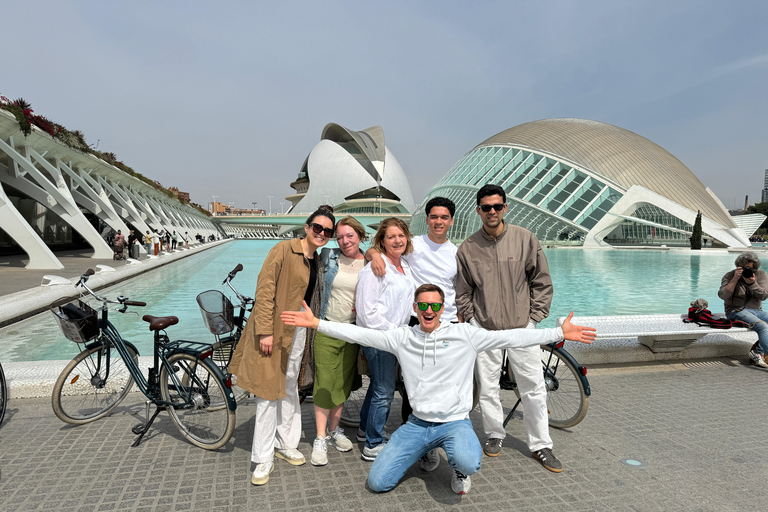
(78,321)
(218,312)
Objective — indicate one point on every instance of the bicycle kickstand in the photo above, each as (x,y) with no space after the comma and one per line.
(142,428)
(511,413)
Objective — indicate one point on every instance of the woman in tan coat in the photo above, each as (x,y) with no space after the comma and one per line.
(268,357)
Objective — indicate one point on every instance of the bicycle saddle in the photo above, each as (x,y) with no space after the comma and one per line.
(158,323)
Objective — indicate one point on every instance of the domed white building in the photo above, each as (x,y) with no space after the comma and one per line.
(573,181)
(353,171)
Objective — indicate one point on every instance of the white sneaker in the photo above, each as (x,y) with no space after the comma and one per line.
(260,475)
(430,460)
(460,482)
(291,455)
(319,452)
(339,440)
(370,454)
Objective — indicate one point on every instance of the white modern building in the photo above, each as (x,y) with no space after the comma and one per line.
(579,182)
(354,172)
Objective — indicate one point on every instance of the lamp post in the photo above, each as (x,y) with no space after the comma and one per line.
(281,207)
(270,204)
(253,210)
(213,205)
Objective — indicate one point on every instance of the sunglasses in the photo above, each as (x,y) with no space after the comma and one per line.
(434,305)
(317,228)
(487,207)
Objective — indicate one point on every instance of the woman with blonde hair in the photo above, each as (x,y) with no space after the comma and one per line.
(383,303)
(336,360)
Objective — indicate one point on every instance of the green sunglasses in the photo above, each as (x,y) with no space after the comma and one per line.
(434,305)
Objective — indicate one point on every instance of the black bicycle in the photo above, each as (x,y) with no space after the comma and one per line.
(3,394)
(182,380)
(219,318)
(567,386)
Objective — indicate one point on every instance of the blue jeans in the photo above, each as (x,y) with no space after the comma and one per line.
(756,319)
(381,392)
(411,441)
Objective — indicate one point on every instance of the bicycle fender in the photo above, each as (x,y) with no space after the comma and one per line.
(214,369)
(567,356)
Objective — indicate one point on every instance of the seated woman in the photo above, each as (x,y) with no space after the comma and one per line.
(743,290)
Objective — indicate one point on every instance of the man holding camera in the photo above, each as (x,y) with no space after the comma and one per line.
(743,290)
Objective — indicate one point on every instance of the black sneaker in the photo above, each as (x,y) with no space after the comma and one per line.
(548,460)
(492,447)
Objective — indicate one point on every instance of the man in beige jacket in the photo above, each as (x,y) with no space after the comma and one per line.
(503,282)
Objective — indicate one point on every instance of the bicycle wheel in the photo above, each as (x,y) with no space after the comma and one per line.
(200,406)
(81,394)
(222,355)
(567,401)
(3,394)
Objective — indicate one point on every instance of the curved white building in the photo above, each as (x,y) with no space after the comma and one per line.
(353,171)
(573,181)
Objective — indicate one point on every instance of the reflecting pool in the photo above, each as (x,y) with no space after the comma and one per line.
(589,282)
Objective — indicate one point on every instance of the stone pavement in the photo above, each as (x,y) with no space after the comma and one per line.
(696,425)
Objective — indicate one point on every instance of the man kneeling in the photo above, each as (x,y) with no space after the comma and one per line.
(437,363)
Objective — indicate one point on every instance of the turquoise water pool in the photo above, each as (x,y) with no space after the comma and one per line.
(589,282)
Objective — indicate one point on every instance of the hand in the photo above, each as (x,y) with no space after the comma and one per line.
(265,344)
(573,332)
(377,264)
(300,318)
(749,280)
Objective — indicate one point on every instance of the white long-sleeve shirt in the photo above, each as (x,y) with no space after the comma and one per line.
(433,263)
(384,302)
(438,366)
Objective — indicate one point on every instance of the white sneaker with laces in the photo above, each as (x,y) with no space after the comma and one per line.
(319,455)
(260,475)
(339,440)
(291,455)
(430,460)
(460,482)
(370,454)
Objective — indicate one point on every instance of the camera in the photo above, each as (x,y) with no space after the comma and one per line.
(747,272)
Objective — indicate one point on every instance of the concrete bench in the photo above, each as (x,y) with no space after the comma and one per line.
(660,333)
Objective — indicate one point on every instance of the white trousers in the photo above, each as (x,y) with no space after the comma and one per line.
(526,367)
(278,422)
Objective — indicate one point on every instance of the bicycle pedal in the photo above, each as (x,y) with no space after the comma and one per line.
(139,429)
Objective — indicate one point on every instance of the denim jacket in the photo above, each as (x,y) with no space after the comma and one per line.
(330,260)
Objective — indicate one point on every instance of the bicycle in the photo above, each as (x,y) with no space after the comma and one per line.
(182,380)
(568,389)
(218,315)
(3,394)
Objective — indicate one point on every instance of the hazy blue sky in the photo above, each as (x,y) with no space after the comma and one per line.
(228,98)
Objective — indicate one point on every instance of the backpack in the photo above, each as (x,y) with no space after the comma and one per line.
(703,317)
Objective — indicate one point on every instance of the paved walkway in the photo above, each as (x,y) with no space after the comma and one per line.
(697,426)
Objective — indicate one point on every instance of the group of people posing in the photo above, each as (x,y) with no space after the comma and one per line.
(445,314)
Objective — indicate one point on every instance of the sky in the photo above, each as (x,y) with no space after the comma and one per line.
(228,98)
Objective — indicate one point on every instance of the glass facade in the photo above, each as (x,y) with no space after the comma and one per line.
(555,200)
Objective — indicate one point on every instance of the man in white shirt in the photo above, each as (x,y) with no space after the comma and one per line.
(437,359)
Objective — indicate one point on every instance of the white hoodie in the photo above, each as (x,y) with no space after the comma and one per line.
(438,366)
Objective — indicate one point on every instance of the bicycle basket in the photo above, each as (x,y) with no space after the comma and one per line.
(78,321)
(217,310)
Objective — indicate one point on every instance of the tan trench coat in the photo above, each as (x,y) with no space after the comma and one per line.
(281,285)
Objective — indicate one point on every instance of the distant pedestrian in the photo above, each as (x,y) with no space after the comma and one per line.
(148,242)
(156,241)
(174,240)
(186,239)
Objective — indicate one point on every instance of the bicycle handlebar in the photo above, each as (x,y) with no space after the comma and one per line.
(228,281)
(121,299)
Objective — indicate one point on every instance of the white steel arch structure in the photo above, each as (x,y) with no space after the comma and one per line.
(66,182)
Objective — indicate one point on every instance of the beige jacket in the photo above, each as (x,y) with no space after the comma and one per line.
(743,296)
(281,285)
(503,282)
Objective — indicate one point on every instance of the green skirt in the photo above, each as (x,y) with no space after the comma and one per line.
(335,371)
